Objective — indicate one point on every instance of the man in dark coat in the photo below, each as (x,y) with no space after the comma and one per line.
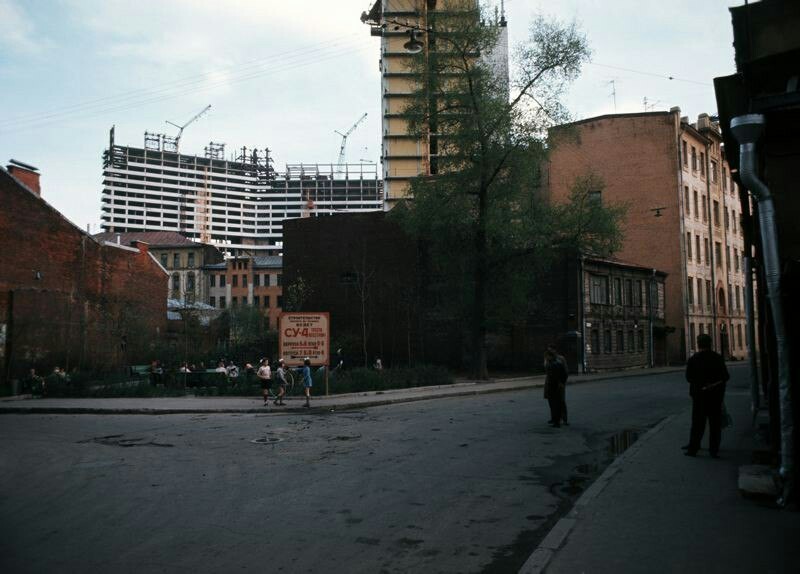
(707,375)
(555,382)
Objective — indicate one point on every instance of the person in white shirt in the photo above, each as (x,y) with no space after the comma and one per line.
(264,374)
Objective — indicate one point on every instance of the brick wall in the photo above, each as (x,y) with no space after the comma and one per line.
(67,300)
(637,157)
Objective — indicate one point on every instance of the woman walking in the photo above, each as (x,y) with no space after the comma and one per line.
(280,376)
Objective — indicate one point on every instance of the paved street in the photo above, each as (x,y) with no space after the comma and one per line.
(453,485)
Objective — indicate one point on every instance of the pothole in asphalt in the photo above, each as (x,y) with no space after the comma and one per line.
(267,440)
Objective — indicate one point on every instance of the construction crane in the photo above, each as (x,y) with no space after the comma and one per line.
(344,138)
(177,139)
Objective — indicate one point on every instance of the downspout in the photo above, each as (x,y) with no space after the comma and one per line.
(713,254)
(755,394)
(653,287)
(582,312)
(747,129)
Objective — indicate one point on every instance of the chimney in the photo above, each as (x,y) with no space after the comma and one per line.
(703,122)
(142,246)
(27,174)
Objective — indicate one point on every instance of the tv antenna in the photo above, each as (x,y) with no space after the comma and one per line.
(613,94)
(649,104)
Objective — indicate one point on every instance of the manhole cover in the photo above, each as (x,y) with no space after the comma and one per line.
(266,440)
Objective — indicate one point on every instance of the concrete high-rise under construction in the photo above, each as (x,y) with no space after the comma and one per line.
(237,204)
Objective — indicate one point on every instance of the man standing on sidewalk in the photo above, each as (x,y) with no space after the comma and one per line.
(707,375)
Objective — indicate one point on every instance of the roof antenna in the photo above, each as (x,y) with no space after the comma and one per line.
(502,13)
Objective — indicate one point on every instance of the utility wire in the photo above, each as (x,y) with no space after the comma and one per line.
(178,83)
(652,74)
(155,97)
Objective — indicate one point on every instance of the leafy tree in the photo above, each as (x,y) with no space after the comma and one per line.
(481,212)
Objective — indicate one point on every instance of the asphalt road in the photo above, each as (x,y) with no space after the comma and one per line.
(452,485)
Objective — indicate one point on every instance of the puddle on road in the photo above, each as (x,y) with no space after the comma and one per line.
(622,441)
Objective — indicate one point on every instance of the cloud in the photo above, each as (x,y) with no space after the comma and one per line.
(16,30)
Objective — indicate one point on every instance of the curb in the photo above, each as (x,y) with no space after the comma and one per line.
(461,389)
(537,562)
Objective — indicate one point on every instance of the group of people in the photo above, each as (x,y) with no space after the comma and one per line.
(264,374)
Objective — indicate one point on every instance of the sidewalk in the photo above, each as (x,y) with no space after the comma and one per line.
(655,510)
(193,405)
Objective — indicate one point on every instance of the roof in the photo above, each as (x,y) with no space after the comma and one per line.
(620,263)
(152,238)
(268,261)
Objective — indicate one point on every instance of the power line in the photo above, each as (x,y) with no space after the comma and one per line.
(175,84)
(652,74)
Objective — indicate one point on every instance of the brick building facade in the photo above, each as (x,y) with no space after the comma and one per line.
(182,258)
(67,299)
(683,214)
(255,281)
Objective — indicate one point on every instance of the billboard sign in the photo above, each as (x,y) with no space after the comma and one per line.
(304,335)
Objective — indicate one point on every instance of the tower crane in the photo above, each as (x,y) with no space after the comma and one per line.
(177,139)
(344,138)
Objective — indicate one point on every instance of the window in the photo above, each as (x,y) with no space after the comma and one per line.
(699,292)
(697,251)
(689,245)
(212,301)
(164,259)
(730,298)
(724,179)
(280,301)
(222,280)
(190,260)
(595,341)
(244,280)
(607,341)
(190,283)
(176,282)
(256,302)
(739,335)
(694,159)
(690,292)
(256,280)
(728,257)
(176,260)
(599,289)
(714,171)
(727,219)
(702,329)
(708,251)
(212,280)
(267,279)
(641,340)
(266,300)
(618,291)
(686,205)
(222,302)
(620,341)
(705,208)
(234,300)
(696,206)
(685,155)
(738,298)
(702,164)
(235,283)
(716,212)
(718,253)
(631,343)
(628,292)
(691,336)
(736,258)
(709,329)
(280,279)
(637,294)
(708,295)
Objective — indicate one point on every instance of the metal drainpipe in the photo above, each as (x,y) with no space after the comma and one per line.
(582,312)
(653,287)
(713,253)
(747,130)
(755,393)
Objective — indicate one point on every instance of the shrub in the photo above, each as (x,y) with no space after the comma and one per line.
(362,380)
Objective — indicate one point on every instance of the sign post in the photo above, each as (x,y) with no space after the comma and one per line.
(305,335)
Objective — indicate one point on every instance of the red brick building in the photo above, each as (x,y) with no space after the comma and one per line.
(255,281)
(67,299)
(683,214)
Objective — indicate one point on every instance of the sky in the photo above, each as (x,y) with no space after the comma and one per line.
(287,75)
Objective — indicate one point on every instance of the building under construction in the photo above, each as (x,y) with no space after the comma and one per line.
(237,204)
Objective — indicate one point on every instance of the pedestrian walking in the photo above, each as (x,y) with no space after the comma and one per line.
(707,376)
(307,382)
(555,384)
(280,375)
(264,375)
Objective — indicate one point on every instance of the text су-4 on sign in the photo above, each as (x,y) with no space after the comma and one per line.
(304,335)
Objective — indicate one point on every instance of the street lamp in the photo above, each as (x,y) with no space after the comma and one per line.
(413,46)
